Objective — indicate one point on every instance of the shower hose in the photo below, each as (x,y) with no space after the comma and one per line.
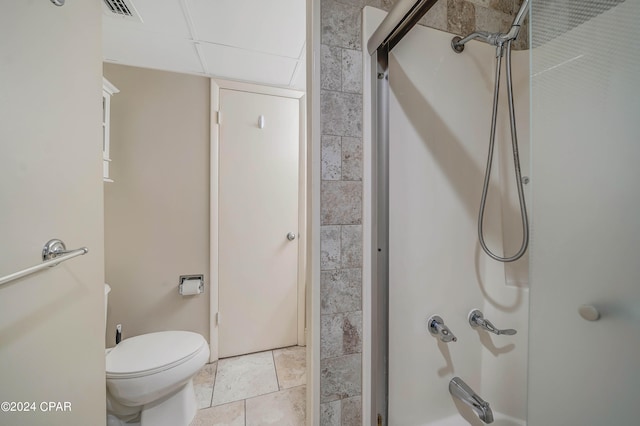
(516,160)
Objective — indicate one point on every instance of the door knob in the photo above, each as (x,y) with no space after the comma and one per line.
(291,236)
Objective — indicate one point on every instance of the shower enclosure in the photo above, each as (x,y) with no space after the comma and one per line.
(458,338)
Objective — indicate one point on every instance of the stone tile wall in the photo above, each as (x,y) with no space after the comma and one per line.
(341,188)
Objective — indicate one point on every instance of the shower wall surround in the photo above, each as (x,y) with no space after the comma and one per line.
(436,266)
(341,187)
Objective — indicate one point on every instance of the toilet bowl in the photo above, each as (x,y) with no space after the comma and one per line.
(150,378)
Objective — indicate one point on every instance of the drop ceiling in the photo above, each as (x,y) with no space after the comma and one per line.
(258,41)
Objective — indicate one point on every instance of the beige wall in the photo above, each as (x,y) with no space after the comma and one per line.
(157,210)
(51,322)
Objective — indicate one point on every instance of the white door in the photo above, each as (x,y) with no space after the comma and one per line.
(51,322)
(258,210)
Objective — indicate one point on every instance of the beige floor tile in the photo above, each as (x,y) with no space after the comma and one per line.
(291,366)
(244,377)
(231,414)
(203,385)
(282,408)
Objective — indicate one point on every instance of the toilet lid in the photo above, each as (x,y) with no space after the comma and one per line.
(153,352)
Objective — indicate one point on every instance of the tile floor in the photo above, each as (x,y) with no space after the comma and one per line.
(261,389)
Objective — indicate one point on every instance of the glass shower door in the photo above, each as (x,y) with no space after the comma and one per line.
(584,353)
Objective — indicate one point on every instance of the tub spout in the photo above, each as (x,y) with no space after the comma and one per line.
(462,391)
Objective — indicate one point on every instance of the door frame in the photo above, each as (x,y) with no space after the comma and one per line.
(216,86)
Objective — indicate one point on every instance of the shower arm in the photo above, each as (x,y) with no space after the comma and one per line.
(494,39)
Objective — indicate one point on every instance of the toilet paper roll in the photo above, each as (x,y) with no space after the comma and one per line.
(191,287)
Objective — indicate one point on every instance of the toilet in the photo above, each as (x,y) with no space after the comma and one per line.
(150,378)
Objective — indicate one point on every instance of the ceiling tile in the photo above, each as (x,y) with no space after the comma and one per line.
(159,16)
(274,26)
(144,49)
(252,40)
(238,64)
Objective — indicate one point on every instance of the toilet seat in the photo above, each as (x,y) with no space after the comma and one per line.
(152,353)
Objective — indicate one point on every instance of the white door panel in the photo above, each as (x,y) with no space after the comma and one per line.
(258,207)
(51,322)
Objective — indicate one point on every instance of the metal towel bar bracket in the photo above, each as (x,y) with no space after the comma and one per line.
(53,253)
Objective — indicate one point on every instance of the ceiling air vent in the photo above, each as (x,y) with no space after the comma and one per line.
(123,9)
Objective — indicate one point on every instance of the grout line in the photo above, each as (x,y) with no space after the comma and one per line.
(341,91)
(213,387)
(275,369)
(245,412)
(271,393)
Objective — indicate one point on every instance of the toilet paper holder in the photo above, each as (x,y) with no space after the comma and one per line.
(191,285)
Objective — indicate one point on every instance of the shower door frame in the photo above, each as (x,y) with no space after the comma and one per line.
(378,223)
(400,20)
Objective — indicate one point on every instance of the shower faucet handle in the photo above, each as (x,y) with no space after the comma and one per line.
(476,319)
(437,328)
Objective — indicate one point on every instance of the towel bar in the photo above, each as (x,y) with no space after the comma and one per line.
(53,253)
